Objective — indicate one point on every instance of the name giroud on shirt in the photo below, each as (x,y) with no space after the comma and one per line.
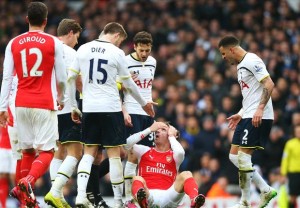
(32,39)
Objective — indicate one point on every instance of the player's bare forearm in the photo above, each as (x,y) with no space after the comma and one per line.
(268,86)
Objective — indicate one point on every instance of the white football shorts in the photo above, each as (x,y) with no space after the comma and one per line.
(166,198)
(38,128)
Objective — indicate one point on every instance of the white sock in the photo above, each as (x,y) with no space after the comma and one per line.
(116,177)
(129,172)
(54,166)
(245,179)
(83,174)
(64,173)
(257,179)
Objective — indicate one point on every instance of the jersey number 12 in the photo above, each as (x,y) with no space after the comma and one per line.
(34,70)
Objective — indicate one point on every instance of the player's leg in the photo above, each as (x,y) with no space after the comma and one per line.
(70,150)
(140,191)
(5,168)
(186,183)
(55,196)
(113,140)
(16,151)
(293,185)
(91,137)
(129,172)
(116,174)
(93,188)
(57,160)
(41,125)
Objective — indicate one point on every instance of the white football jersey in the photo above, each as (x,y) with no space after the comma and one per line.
(99,62)
(145,74)
(251,71)
(70,55)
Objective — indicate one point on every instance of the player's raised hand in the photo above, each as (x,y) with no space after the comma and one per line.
(148,108)
(233,121)
(157,125)
(172,132)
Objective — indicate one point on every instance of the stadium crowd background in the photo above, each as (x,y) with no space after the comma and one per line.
(195,89)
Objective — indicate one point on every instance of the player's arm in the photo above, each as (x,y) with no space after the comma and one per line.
(8,68)
(178,151)
(60,71)
(135,138)
(73,74)
(268,86)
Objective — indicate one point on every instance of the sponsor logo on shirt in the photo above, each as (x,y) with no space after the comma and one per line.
(257,68)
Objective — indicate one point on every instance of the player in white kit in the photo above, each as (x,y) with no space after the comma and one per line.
(62,166)
(99,62)
(253,122)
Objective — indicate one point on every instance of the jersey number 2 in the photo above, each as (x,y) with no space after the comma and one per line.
(99,69)
(34,70)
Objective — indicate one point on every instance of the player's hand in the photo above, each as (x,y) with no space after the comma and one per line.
(127,120)
(233,121)
(3,118)
(157,125)
(148,108)
(134,75)
(76,115)
(257,117)
(172,132)
(60,105)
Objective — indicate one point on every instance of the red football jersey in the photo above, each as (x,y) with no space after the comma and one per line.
(158,169)
(33,55)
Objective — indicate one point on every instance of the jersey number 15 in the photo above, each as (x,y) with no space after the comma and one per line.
(99,69)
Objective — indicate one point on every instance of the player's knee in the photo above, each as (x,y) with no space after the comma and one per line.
(234,159)
(139,178)
(244,161)
(185,175)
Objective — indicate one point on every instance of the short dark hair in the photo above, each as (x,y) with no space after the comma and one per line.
(229,41)
(67,25)
(37,13)
(143,37)
(114,27)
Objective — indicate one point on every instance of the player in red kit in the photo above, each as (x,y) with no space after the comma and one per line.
(158,182)
(37,59)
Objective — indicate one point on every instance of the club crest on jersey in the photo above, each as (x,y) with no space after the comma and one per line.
(257,68)
(169,158)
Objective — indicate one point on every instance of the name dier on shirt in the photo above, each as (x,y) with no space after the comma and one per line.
(98,50)
(32,39)
(150,169)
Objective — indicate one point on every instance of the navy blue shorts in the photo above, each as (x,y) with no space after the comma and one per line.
(141,122)
(248,136)
(294,183)
(105,129)
(67,129)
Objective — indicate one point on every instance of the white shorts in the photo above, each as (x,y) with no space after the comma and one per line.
(38,128)
(8,164)
(14,142)
(166,198)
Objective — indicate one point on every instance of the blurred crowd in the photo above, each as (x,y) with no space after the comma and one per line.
(195,89)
